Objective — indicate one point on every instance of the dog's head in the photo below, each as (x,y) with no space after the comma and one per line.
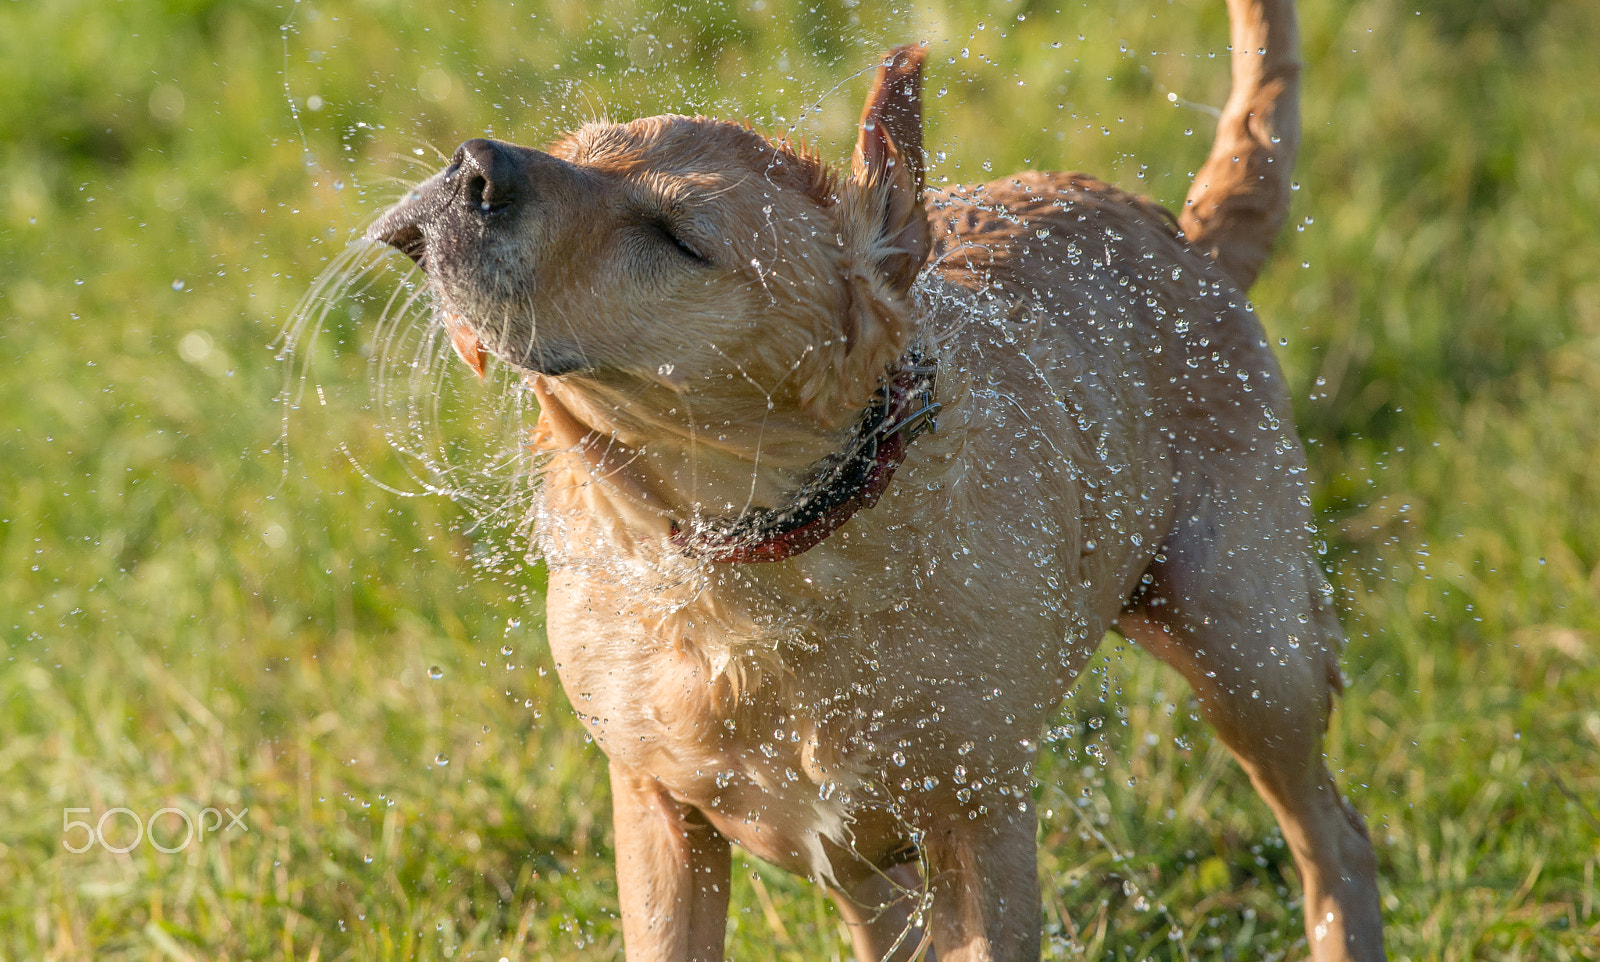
(683,249)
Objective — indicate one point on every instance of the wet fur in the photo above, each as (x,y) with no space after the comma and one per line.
(702,312)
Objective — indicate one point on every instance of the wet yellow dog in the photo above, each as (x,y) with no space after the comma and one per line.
(846,479)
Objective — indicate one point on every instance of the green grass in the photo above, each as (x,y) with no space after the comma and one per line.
(195,613)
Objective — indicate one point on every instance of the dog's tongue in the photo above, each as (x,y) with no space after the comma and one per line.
(465,341)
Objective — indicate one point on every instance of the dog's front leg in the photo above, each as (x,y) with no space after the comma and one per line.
(985,879)
(672,873)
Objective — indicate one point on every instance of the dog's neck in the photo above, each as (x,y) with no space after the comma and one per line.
(727,489)
(836,487)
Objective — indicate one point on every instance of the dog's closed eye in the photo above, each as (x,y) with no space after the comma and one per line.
(664,231)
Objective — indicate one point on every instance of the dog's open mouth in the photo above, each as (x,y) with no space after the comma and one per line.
(404,234)
(409,240)
(464,339)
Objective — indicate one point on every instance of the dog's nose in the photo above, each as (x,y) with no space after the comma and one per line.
(496,173)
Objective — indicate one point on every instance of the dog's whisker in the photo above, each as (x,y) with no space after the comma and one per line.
(295,345)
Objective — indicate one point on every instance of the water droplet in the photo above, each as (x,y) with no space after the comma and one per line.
(441,759)
(176,285)
(665,370)
(507,650)
(435,672)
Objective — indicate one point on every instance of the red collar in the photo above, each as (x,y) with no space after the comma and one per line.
(836,487)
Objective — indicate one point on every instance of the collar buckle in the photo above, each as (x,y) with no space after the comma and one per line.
(924,420)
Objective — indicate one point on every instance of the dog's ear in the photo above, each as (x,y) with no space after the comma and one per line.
(888,166)
(886,239)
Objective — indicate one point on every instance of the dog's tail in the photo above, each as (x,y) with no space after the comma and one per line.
(1240,198)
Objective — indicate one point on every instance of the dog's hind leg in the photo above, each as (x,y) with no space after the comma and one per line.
(1237,607)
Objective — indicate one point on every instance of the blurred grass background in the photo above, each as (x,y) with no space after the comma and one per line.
(195,613)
